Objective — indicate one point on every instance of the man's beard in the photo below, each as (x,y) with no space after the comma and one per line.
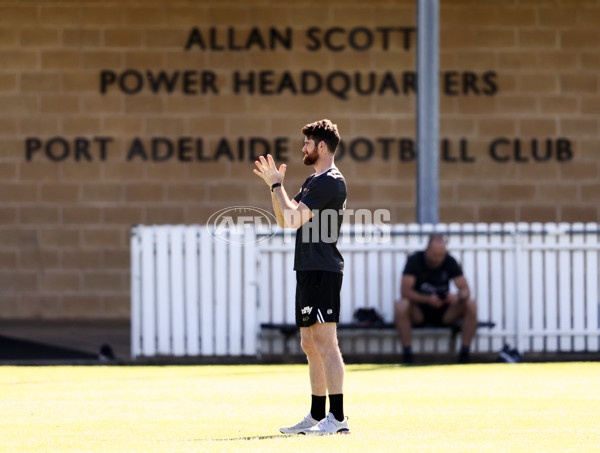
(311,158)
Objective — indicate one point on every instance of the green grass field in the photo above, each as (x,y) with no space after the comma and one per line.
(493,407)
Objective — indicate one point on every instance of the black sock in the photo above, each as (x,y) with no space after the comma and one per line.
(317,407)
(336,406)
(464,350)
(407,354)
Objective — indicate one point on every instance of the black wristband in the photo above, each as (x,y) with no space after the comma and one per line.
(277,184)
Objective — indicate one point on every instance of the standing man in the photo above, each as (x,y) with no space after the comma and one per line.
(316,212)
(426,299)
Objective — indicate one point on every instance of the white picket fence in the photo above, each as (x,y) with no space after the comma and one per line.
(196,294)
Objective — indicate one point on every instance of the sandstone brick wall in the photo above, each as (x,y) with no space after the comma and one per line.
(64,223)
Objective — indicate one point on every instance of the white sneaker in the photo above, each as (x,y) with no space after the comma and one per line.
(300,427)
(329,425)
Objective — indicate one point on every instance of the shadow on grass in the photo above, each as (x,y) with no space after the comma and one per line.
(375,367)
(357,368)
(234,439)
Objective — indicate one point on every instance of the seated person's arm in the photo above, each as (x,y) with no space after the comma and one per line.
(408,291)
(464,293)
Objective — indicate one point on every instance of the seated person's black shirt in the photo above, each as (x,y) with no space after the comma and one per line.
(428,280)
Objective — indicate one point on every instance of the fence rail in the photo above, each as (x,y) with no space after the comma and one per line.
(195,293)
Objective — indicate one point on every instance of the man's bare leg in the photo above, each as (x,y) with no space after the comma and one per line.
(324,337)
(469,323)
(406,314)
(318,383)
(402,321)
(318,386)
(468,312)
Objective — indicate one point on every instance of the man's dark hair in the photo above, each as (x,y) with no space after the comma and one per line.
(323,131)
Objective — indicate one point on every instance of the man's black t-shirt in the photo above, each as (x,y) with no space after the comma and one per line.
(429,281)
(316,241)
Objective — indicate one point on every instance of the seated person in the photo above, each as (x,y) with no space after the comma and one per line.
(426,299)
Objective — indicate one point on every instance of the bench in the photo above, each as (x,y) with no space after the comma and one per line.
(291,330)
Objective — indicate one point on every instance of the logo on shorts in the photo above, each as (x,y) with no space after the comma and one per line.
(330,311)
(306,310)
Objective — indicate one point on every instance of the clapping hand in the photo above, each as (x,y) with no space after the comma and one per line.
(267,170)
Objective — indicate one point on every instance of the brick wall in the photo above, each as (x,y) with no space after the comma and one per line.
(64,224)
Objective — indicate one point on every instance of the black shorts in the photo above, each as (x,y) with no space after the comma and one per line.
(432,316)
(317,297)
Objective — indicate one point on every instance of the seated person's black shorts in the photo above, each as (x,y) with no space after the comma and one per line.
(432,316)
(317,297)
